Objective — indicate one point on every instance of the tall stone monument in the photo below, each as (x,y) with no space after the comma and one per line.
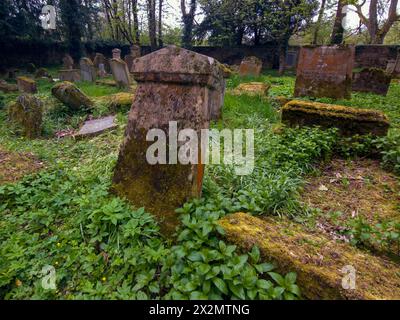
(325,71)
(174,85)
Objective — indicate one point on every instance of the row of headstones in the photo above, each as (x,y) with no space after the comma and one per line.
(100,67)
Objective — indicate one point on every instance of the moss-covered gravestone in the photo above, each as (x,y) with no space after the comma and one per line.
(26,85)
(71,96)
(177,85)
(371,80)
(26,114)
(325,71)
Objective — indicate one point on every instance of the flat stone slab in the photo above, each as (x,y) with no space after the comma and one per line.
(252,88)
(317,260)
(93,128)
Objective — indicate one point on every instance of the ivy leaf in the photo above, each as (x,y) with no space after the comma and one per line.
(221,285)
(277,278)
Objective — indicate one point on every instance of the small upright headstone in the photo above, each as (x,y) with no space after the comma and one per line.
(371,80)
(120,73)
(101,59)
(116,53)
(250,66)
(291,59)
(130,58)
(71,75)
(101,71)
(26,85)
(174,84)
(26,113)
(88,71)
(68,62)
(325,71)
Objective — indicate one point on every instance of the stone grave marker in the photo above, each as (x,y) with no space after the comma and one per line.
(68,62)
(88,71)
(325,71)
(250,66)
(101,59)
(371,80)
(393,67)
(26,85)
(26,113)
(178,85)
(130,58)
(291,59)
(116,53)
(71,75)
(71,96)
(101,71)
(120,73)
(95,127)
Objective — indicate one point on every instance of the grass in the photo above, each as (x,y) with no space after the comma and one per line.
(103,247)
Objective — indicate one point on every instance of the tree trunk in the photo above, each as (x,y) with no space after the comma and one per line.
(151,12)
(338,30)
(135,22)
(318,24)
(188,18)
(160,41)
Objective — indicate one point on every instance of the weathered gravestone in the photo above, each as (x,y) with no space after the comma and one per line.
(252,88)
(177,85)
(71,96)
(130,58)
(250,66)
(26,85)
(7,87)
(291,59)
(393,67)
(68,62)
(92,128)
(26,113)
(325,71)
(116,53)
(101,59)
(102,71)
(120,73)
(71,75)
(371,80)
(88,71)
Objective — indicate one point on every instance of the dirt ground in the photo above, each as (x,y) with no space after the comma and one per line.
(15,165)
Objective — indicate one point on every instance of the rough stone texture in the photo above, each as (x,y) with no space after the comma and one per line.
(324,71)
(120,73)
(68,62)
(250,66)
(7,87)
(317,260)
(71,96)
(116,53)
(252,88)
(71,75)
(88,71)
(26,113)
(92,128)
(130,58)
(101,59)
(371,80)
(350,121)
(174,84)
(26,85)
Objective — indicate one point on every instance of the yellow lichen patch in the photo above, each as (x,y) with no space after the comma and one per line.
(252,88)
(317,260)
(13,165)
(117,102)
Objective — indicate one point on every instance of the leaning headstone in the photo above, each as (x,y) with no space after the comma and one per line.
(71,75)
(71,96)
(116,53)
(349,121)
(120,73)
(88,71)
(68,62)
(250,66)
(26,85)
(177,85)
(92,128)
(130,58)
(325,71)
(371,80)
(26,113)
